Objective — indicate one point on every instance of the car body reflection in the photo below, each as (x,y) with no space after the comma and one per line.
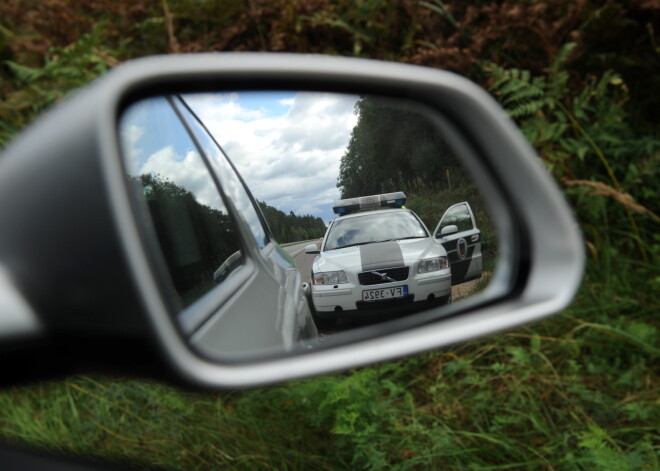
(377,260)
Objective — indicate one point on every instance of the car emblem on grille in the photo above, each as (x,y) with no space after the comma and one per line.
(383,276)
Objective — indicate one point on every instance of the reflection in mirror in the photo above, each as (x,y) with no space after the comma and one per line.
(191,222)
(287,221)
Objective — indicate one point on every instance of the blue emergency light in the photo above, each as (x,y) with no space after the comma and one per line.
(386,200)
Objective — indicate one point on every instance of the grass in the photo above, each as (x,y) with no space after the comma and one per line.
(578,391)
(150,423)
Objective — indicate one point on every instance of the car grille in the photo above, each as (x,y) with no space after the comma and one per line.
(370,278)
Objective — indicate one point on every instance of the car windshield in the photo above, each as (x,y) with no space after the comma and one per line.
(374,227)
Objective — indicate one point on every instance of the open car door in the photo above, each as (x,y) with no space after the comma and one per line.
(458,233)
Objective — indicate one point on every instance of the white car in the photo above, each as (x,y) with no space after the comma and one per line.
(387,259)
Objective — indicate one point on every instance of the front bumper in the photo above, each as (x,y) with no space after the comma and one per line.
(346,300)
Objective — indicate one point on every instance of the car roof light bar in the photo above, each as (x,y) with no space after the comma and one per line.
(386,200)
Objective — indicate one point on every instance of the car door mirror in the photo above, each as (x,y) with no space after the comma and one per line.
(448,230)
(181,195)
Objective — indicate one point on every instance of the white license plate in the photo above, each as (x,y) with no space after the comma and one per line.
(385,293)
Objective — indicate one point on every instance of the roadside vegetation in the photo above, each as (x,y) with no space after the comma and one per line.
(292,227)
(577,391)
(395,146)
(430,204)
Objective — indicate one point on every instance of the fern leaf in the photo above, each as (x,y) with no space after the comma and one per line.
(24,73)
(524,94)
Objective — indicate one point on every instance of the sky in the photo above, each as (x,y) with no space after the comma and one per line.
(287,146)
(155,142)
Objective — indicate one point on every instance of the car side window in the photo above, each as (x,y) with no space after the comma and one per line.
(229,179)
(197,238)
(460,216)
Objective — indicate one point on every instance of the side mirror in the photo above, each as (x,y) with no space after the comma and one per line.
(146,211)
(448,230)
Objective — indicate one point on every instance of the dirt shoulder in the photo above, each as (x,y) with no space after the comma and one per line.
(466,289)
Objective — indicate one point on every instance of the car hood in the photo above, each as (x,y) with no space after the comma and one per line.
(378,255)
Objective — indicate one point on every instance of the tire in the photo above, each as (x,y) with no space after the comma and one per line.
(323,324)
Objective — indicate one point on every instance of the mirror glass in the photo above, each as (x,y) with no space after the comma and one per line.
(285,221)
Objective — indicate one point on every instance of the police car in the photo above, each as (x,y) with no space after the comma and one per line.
(386,260)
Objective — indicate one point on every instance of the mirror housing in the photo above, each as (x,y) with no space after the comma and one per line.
(74,250)
(448,230)
(312,249)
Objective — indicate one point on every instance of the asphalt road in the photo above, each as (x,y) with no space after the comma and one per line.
(303,260)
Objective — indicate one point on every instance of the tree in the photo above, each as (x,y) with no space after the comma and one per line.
(291,227)
(393,145)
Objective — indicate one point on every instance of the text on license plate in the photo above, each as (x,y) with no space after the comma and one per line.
(384,293)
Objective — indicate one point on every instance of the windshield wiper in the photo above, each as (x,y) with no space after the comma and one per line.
(352,245)
(403,238)
(377,242)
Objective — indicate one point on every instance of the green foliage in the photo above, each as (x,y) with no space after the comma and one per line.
(430,204)
(196,240)
(587,142)
(396,147)
(291,227)
(578,391)
(64,70)
(439,7)
(520,94)
(366,28)
(394,144)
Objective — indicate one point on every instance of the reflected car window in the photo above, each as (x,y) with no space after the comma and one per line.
(197,238)
(459,216)
(231,183)
(377,227)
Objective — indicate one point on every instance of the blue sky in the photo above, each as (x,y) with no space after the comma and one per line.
(286,145)
(156,142)
(273,103)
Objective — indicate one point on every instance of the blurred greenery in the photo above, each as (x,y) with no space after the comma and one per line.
(577,391)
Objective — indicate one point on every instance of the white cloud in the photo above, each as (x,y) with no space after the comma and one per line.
(130,136)
(287,150)
(221,107)
(155,142)
(185,171)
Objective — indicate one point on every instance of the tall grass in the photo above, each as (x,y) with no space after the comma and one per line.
(579,391)
(140,422)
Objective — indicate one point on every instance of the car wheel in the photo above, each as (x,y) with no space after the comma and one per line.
(323,324)
(445,300)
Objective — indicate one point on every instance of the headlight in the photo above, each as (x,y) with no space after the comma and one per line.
(330,278)
(432,264)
